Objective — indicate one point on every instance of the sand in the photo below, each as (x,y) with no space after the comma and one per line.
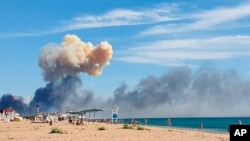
(27,131)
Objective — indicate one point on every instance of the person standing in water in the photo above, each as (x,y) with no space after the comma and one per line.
(169,122)
(201,126)
(239,122)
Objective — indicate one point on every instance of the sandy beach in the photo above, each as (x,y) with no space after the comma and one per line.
(27,131)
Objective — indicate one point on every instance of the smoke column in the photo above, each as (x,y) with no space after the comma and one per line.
(178,92)
(181,92)
(73,56)
(61,64)
(153,91)
(64,94)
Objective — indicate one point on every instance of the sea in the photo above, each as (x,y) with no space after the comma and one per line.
(211,124)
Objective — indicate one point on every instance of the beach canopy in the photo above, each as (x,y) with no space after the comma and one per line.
(85,111)
(93,110)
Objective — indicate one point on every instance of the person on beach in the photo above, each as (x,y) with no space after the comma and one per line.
(201,126)
(239,122)
(146,121)
(169,122)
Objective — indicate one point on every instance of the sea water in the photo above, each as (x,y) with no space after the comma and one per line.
(213,124)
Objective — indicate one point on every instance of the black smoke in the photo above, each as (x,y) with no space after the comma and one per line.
(62,95)
(154,91)
(181,92)
(57,96)
(61,64)
(14,102)
(178,92)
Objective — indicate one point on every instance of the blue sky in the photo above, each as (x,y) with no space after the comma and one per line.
(147,38)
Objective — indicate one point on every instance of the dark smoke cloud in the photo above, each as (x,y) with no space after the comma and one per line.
(179,92)
(154,91)
(15,102)
(62,95)
(61,65)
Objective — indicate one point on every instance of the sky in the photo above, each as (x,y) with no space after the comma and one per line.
(151,40)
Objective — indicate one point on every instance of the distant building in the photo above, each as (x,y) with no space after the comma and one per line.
(8,114)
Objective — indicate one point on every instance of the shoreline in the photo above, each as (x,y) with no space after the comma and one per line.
(191,129)
(210,124)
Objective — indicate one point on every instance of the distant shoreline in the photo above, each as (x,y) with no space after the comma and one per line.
(211,124)
(191,129)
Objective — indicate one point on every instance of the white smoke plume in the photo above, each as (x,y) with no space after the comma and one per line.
(73,56)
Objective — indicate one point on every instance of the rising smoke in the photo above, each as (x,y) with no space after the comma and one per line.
(72,57)
(179,92)
(61,64)
(153,91)
(63,95)
(11,101)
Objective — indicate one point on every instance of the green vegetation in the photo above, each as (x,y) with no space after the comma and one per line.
(126,126)
(140,128)
(136,127)
(101,128)
(57,130)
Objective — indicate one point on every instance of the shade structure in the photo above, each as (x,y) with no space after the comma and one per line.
(86,111)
